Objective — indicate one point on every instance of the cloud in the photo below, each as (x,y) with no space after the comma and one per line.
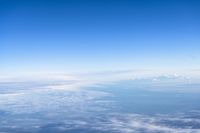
(30,108)
(115,123)
(48,100)
(74,103)
(129,123)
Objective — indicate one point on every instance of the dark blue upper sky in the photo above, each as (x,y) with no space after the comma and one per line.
(82,35)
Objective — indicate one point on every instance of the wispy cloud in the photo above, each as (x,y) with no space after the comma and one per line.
(128,123)
(68,103)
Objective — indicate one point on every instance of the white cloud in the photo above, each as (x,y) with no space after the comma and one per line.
(56,97)
(131,123)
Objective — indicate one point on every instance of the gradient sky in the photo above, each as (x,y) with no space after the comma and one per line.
(84,35)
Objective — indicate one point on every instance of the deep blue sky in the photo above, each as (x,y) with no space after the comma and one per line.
(83,35)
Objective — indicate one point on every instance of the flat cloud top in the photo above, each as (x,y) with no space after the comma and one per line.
(67,103)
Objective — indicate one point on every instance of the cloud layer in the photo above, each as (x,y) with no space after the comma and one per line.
(63,104)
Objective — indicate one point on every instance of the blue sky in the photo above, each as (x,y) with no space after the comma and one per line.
(97,35)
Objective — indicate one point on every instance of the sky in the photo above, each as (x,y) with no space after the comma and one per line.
(98,35)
